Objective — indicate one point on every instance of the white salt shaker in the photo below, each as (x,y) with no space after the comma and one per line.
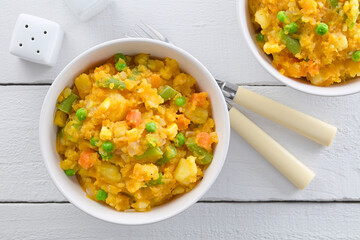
(86,9)
(36,39)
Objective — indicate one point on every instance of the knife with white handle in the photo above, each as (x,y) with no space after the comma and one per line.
(288,165)
(310,127)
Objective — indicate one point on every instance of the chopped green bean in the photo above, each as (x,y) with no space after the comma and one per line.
(170,153)
(152,153)
(111,83)
(67,103)
(292,44)
(153,182)
(168,93)
(202,155)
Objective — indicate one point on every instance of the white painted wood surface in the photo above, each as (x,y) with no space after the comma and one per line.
(202,221)
(32,208)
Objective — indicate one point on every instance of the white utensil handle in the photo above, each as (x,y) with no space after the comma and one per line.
(288,165)
(299,122)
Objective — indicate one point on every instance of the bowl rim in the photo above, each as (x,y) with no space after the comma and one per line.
(48,157)
(330,91)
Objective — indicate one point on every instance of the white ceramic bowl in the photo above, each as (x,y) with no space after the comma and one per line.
(70,187)
(349,87)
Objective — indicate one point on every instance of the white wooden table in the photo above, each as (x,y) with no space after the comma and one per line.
(250,199)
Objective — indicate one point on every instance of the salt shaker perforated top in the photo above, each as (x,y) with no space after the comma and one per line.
(86,9)
(36,39)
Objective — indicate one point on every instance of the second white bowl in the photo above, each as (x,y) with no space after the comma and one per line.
(346,88)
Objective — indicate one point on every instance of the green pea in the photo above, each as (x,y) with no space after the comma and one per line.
(94,142)
(322,29)
(101,195)
(180,101)
(70,172)
(150,127)
(260,38)
(107,146)
(81,114)
(120,65)
(291,28)
(282,17)
(118,56)
(356,56)
(179,140)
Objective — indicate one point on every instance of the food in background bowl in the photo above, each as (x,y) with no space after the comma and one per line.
(315,39)
(135,132)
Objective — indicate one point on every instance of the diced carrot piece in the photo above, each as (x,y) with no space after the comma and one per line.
(313,68)
(156,81)
(87,159)
(199,99)
(204,140)
(182,122)
(134,117)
